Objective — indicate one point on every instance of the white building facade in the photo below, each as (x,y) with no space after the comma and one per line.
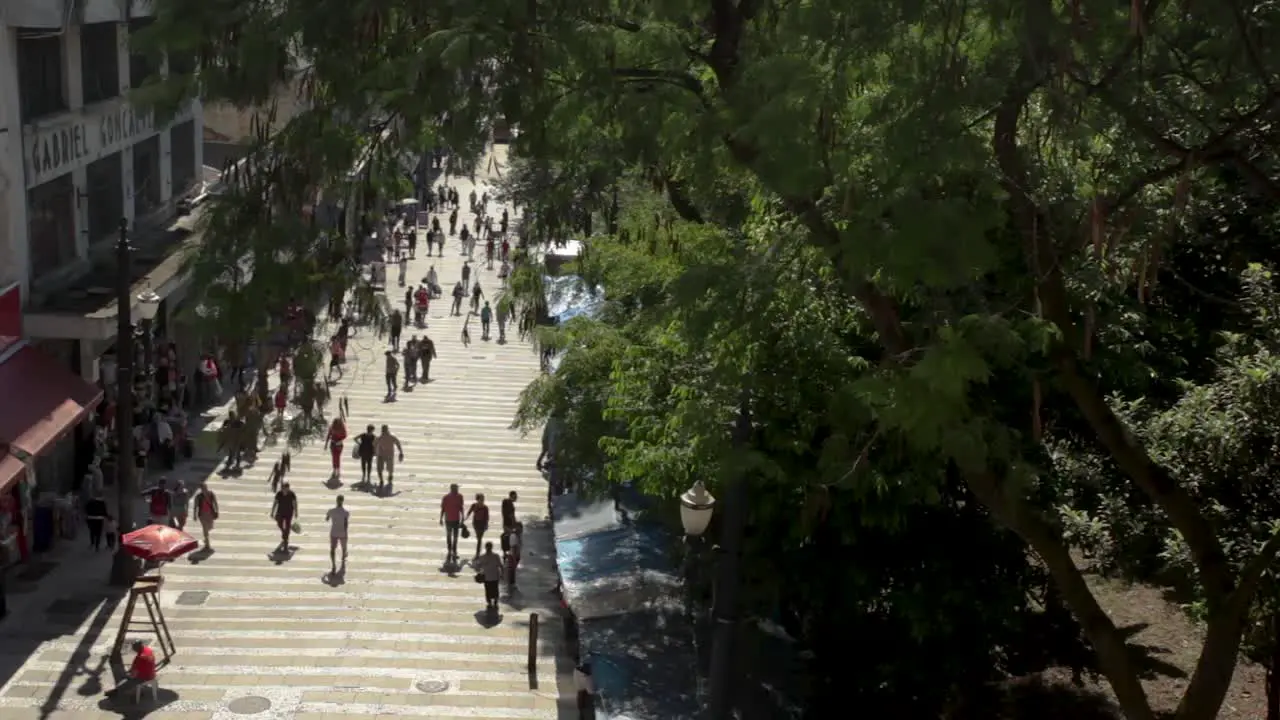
(75,158)
(75,155)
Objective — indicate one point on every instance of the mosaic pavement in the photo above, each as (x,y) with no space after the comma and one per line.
(263,636)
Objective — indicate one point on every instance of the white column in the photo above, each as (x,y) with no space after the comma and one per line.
(126,182)
(166,165)
(122,55)
(89,360)
(13,196)
(71,68)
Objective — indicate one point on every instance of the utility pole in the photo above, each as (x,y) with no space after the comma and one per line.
(124,568)
(728,582)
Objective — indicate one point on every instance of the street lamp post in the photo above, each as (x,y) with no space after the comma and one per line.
(696,509)
(124,568)
(148,308)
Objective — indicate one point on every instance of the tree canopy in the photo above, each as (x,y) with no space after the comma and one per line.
(944,249)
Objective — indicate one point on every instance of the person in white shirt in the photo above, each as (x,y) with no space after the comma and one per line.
(164,441)
(339,519)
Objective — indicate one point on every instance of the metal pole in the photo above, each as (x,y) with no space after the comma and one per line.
(728,582)
(124,569)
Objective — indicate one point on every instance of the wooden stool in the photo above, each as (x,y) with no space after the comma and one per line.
(146,588)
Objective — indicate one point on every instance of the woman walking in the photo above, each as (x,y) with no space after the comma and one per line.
(478,513)
(337,435)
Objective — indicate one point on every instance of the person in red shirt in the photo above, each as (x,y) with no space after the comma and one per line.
(451,507)
(282,400)
(143,670)
(286,371)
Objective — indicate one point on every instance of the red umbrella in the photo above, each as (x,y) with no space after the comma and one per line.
(158,543)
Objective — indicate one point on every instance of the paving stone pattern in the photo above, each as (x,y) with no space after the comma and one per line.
(280,635)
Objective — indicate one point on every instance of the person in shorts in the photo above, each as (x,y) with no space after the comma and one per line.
(284,509)
(451,508)
(339,522)
(387,447)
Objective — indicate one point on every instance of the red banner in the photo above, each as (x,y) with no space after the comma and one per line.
(10,316)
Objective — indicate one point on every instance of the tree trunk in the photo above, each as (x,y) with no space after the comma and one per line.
(1114,658)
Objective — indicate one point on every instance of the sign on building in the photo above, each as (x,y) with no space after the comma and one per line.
(71,140)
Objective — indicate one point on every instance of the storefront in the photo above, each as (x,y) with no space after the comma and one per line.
(15,511)
(44,405)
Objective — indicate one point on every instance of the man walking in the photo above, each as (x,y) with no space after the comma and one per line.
(339,522)
(426,353)
(393,371)
(397,324)
(486,316)
(206,510)
(451,509)
(388,445)
(284,509)
(509,512)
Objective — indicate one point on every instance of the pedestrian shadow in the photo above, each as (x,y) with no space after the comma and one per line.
(200,555)
(281,555)
(121,702)
(333,482)
(450,569)
(335,579)
(488,619)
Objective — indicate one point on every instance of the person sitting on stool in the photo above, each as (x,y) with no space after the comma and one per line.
(142,673)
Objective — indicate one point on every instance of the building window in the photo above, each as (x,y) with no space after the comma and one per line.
(41,81)
(141,66)
(182,153)
(51,225)
(146,176)
(106,197)
(100,61)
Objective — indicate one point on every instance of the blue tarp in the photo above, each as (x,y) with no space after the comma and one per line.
(618,579)
(612,562)
(568,297)
(644,665)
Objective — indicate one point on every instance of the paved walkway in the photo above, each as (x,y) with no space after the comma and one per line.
(397,636)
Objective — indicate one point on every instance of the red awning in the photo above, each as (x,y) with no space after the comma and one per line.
(41,400)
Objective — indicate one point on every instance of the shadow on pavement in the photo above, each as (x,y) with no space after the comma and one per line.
(58,619)
(122,702)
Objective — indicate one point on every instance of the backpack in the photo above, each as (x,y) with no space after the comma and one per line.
(159,503)
(506,542)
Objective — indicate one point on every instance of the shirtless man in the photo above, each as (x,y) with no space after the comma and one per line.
(388,446)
